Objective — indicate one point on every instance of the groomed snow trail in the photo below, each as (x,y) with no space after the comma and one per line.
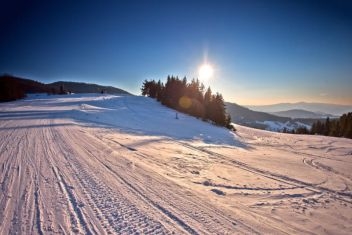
(56,178)
(91,164)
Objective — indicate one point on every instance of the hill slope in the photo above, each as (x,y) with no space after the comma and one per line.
(105,164)
(240,114)
(262,120)
(80,87)
(12,88)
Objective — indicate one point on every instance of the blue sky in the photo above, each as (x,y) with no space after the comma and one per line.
(262,52)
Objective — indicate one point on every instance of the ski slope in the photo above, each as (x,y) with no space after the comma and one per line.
(102,164)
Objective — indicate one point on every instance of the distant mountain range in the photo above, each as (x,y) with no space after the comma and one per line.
(300,113)
(261,120)
(322,108)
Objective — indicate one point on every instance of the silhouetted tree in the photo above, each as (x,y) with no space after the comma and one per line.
(53,90)
(341,127)
(327,126)
(189,97)
(10,89)
(302,130)
(207,100)
(62,90)
(217,112)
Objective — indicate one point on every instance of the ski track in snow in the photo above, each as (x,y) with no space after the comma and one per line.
(92,164)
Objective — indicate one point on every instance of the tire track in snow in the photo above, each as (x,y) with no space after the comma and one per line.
(77,218)
(313,163)
(65,198)
(20,190)
(114,208)
(278,177)
(118,212)
(168,213)
(10,176)
(258,215)
(37,209)
(165,196)
(319,166)
(211,220)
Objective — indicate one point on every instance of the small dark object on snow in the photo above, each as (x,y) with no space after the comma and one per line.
(218,192)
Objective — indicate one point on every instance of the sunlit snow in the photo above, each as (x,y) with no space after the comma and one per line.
(100,164)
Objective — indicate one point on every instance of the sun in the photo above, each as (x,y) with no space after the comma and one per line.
(206,72)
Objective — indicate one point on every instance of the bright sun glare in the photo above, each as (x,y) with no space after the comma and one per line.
(206,71)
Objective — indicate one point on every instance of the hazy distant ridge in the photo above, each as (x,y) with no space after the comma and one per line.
(262,120)
(300,113)
(334,109)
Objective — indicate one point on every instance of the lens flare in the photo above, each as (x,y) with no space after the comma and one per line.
(185,102)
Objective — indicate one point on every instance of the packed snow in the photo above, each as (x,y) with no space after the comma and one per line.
(104,164)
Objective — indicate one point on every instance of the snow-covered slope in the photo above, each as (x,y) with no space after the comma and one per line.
(132,113)
(93,164)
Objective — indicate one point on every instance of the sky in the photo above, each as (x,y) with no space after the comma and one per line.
(262,52)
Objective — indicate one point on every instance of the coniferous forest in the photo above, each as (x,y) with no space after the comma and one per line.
(190,98)
(341,127)
(10,89)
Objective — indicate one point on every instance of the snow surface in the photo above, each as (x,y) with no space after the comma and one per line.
(103,164)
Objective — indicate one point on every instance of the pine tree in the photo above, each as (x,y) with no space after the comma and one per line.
(217,110)
(176,93)
(10,89)
(160,90)
(207,101)
(327,127)
(341,127)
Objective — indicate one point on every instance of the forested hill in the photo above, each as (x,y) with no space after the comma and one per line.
(240,114)
(13,88)
(244,116)
(80,87)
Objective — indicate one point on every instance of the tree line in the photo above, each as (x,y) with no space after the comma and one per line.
(10,89)
(340,127)
(14,88)
(190,98)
